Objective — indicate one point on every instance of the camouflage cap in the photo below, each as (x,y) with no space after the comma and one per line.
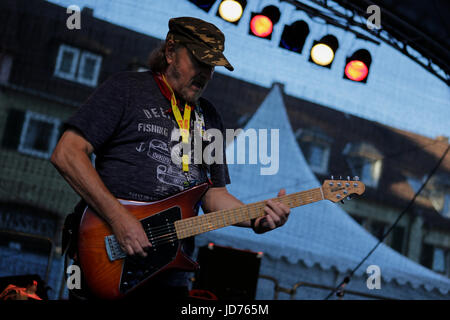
(203,39)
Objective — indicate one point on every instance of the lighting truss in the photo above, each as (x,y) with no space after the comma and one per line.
(347,19)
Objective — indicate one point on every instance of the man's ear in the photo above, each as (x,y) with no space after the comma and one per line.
(170,52)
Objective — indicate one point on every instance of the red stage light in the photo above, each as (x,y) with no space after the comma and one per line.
(356,70)
(261,26)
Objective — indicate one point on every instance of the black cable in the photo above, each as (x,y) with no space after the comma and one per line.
(348,278)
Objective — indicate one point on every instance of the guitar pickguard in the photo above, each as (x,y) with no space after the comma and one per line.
(161,232)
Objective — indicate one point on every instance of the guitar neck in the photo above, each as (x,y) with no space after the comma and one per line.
(215,220)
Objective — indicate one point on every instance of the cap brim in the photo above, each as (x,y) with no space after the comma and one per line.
(210,57)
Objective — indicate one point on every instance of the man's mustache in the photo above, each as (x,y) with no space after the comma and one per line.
(199,81)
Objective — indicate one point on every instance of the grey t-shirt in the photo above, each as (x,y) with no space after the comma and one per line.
(129,123)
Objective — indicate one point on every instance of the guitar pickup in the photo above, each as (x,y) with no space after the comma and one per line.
(113,248)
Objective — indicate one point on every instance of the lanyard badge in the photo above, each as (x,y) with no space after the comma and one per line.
(200,124)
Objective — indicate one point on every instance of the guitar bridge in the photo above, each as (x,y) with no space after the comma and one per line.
(113,248)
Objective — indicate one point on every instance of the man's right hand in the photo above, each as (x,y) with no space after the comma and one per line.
(130,234)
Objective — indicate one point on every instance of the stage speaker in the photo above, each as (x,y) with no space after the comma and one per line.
(229,273)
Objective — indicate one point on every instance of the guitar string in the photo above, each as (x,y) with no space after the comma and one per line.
(161,230)
(307,197)
(158,235)
(204,227)
(315,195)
(166,238)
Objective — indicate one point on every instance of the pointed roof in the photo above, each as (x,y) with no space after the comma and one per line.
(319,233)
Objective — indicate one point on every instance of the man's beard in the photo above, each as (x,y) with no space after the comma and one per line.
(198,80)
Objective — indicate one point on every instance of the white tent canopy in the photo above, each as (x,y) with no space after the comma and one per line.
(320,236)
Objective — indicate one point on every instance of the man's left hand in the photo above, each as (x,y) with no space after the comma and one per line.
(276,215)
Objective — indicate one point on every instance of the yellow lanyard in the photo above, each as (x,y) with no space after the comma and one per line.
(183,122)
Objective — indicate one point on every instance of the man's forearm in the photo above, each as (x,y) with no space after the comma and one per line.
(220,199)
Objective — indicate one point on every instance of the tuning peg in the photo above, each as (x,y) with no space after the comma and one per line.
(332,177)
(348,178)
(356,178)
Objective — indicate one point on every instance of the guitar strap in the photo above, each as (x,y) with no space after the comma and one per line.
(201,125)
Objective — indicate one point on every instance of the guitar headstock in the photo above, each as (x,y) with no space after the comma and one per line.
(338,190)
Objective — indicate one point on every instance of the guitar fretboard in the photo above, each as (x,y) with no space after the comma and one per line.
(215,220)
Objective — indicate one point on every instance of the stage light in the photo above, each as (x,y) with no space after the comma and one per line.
(294,36)
(322,54)
(356,70)
(203,4)
(231,10)
(261,24)
(357,66)
(323,51)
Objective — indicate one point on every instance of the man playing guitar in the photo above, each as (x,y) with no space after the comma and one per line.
(128,122)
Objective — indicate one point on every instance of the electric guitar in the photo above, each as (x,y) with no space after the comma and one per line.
(111,274)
